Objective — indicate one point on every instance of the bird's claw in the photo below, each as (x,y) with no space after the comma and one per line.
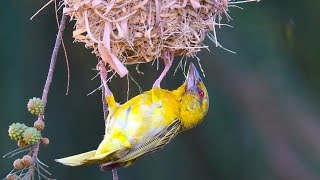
(168,57)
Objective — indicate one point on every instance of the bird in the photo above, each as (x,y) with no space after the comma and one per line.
(145,123)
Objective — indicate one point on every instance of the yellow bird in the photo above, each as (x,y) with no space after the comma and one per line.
(146,123)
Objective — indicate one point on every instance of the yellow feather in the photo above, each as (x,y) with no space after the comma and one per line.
(193,109)
(77,160)
(111,102)
(144,124)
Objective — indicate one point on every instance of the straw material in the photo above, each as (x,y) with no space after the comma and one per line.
(137,31)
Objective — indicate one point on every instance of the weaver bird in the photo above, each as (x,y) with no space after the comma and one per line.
(145,123)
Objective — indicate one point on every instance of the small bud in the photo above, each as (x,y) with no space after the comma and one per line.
(16,130)
(27,160)
(39,125)
(35,106)
(17,164)
(31,136)
(21,143)
(12,177)
(45,141)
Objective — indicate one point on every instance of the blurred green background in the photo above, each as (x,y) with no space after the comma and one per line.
(263,122)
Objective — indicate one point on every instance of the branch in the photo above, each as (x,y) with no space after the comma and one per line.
(105,106)
(53,60)
(46,88)
(115,174)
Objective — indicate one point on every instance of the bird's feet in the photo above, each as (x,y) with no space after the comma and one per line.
(103,75)
(168,57)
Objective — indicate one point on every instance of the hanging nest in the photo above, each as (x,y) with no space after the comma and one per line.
(138,31)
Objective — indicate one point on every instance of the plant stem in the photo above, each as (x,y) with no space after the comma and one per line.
(115,174)
(104,104)
(105,115)
(46,88)
(53,60)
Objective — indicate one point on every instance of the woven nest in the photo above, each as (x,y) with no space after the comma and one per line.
(138,31)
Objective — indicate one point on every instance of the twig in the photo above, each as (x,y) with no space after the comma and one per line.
(44,6)
(104,103)
(64,50)
(18,151)
(105,115)
(115,174)
(46,88)
(53,61)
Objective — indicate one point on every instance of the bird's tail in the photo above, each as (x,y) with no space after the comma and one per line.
(77,160)
(92,157)
(108,150)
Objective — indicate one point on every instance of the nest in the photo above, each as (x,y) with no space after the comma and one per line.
(138,31)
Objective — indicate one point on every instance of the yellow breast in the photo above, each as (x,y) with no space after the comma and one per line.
(144,116)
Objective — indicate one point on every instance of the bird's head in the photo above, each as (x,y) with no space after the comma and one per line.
(194,102)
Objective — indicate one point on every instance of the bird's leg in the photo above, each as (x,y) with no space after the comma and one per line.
(103,76)
(167,56)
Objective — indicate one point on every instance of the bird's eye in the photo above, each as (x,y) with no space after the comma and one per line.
(200,94)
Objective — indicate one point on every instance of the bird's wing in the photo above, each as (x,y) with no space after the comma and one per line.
(155,143)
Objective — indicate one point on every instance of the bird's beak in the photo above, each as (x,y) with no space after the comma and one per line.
(193,78)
